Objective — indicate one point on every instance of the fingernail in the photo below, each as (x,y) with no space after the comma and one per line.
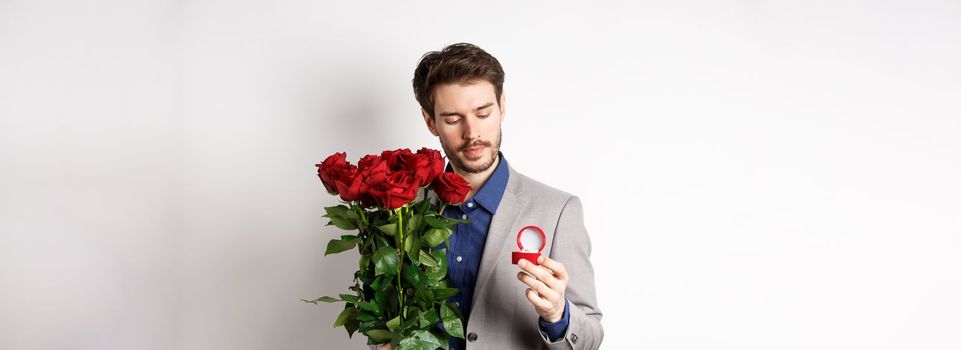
(540,259)
(522,263)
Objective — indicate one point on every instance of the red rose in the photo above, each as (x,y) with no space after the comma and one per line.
(367,161)
(390,179)
(451,188)
(395,158)
(351,186)
(418,166)
(397,189)
(374,171)
(333,168)
(435,162)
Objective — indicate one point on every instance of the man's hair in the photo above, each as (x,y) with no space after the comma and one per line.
(458,63)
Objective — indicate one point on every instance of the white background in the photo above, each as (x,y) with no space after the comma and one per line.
(755,174)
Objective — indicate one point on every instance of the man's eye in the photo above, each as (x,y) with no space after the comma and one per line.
(483,116)
(453,121)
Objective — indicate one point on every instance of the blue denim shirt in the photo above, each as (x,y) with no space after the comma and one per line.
(467,247)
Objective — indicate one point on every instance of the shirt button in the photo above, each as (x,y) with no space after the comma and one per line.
(464,216)
(471,337)
(459,258)
(470,205)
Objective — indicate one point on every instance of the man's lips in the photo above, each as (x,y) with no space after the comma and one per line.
(474,151)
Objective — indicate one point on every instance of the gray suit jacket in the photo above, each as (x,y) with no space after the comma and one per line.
(501,316)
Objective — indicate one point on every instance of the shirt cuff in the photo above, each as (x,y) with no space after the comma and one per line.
(555,331)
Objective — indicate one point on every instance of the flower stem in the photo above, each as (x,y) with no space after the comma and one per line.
(364,224)
(400,253)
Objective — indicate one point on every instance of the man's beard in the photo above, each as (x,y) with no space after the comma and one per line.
(455,156)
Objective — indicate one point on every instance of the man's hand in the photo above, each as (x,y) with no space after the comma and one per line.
(547,283)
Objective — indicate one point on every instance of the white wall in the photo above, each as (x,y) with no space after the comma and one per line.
(756,175)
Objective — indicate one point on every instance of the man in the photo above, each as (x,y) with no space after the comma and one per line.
(528,306)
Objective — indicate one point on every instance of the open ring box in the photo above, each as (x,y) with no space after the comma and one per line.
(531,240)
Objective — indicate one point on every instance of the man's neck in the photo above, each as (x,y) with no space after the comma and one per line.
(477,180)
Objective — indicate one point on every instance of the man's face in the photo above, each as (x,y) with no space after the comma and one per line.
(467,119)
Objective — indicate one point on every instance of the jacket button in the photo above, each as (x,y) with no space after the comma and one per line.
(471,336)
(573,338)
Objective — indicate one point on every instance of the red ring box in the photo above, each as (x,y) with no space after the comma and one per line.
(527,240)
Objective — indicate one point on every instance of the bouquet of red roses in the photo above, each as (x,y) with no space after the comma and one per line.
(399,294)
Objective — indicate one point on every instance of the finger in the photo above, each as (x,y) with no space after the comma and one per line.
(555,266)
(536,299)
(543,275)
(537,271)
(542,289)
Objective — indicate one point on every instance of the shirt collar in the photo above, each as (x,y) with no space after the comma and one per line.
(491,192)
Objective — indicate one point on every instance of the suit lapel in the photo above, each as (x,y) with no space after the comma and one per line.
(500,235)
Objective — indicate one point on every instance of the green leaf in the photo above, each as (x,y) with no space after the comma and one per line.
(444,293)
(338,211)
(423,206)
(351,327)
(363,262)
(336,246)
(425,336)
(427,318)
(394,324)
(342,217)
(380,336)
(349,312)
(426,259)
(415,277)
(368,325)
(431,316)
(385,297)
(325,299)
(451,222)
(351,215)
(411,343)
(424,296)
(415,224)
(444,339)
(435,221)
(386,261)
(343,223)
(381,241)
(366,316)
(409,244)
(390,229)
(380,283)
(436,236)
(410,322)
(365,278)
(356,214)
(349,298)
(372,307)
(451,319)
(440,221)
(438,274)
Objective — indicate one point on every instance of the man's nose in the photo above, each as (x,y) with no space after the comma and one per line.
(471,128)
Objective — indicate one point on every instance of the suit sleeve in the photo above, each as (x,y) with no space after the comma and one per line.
(572,247)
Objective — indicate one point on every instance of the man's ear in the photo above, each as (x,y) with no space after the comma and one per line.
(503,106)
(430,122)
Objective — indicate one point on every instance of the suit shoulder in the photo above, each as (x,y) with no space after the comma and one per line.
(542,191)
